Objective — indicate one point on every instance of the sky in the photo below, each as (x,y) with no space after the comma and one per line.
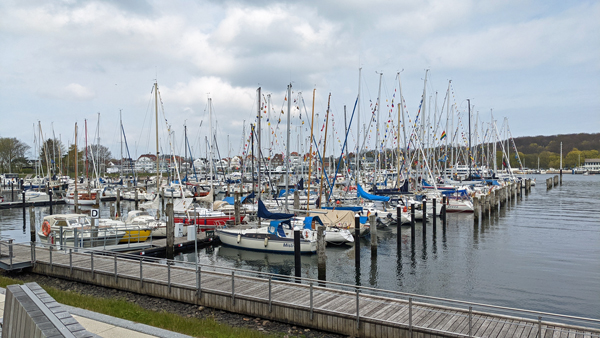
(534,64)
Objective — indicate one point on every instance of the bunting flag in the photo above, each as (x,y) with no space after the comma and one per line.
(443,135)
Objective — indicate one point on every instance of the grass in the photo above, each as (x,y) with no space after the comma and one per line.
(130,311)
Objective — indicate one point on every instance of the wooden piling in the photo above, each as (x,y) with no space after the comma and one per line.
(434,217)
(236,207)
(373,222)
(24,220)
(118,204)
(296,200)
(321,257)
(444,201)
(32,223)
(170,231)
(424,220)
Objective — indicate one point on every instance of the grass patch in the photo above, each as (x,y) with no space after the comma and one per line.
(130,311)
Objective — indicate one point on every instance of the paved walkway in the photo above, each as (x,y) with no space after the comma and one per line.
(107,326)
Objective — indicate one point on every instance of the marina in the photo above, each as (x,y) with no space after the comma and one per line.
(504,259)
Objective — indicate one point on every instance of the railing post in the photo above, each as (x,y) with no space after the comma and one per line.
(92,263)
(233,288)
(270,304)
(71,261)
(169,275)
(198,281)
(311,301)
(357,312)
(115,268)
(75,238)
(470,321)
(141,272)
(410,328)
(540,326)
(10,249)
(51,266)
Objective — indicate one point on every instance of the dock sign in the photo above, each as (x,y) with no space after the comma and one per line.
(95,213)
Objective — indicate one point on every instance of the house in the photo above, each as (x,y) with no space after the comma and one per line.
(592,164)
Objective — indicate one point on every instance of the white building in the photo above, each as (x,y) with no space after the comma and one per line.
(592,164)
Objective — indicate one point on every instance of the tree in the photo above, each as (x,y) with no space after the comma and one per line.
(98,155)
(55,150)
(11,149)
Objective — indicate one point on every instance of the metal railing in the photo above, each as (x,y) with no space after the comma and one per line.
(99,237)
(470,312)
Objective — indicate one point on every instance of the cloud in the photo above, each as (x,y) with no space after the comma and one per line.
(72,91)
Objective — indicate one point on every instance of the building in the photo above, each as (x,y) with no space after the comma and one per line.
(592,164)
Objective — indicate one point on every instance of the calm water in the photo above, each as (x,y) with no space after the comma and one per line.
(541,253)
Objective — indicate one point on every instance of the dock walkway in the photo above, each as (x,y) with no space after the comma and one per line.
(341,308)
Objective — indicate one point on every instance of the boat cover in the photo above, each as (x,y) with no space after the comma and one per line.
(276,227)
(308,221)
(363,194)
(264,213)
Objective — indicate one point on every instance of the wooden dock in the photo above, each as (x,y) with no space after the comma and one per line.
(340,308)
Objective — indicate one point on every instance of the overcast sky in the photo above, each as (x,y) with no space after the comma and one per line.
(536,63)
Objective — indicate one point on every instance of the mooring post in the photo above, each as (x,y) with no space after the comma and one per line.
(170,232)
(24,220)
(12,191)
(321,257)
(399,227)
(444,211)
(412,223)
(357,242)
(296,200)
(32,223)
(50,196)
(118,204)
(424,219)
(236,207)
(297,266)
(373,229)
(136,198)
(434,216)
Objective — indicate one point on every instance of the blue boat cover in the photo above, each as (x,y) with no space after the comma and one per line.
(308,221)
(276,227)
(231,199)
(264,213)
(363,194)
(283,193)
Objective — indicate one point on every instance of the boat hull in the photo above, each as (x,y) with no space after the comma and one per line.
(264,242)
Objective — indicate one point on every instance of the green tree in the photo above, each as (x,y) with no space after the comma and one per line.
(10,150)
(51,152)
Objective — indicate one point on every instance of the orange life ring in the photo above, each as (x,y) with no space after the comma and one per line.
(46,228)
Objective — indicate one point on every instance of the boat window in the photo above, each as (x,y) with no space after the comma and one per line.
(61,223)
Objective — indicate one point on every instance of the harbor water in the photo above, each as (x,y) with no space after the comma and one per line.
(542,253)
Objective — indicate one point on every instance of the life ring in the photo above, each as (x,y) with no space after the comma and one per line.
(46,228)
(306,233)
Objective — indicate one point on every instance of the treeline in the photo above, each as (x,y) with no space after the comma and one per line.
(575,149)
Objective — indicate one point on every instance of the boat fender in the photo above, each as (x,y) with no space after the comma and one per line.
(306,233)
(405,209)
(266,241)
(239,239)
(46,228)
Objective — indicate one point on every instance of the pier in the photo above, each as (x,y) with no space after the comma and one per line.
(484,206)
(328,306)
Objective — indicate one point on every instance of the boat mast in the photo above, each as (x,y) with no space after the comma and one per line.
(403,122)
(287,147)
(158,175)
(121,139)
(469,152)
(324,149)
(259,106)
(357,155)
(312,121)
(75,195)
(447,119)
(378,158)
